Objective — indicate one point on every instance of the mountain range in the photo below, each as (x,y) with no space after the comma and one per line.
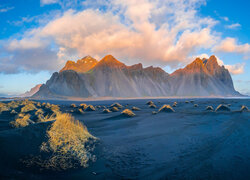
(32,91)
(111,78)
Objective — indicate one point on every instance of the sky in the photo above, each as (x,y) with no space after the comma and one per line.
(37,37)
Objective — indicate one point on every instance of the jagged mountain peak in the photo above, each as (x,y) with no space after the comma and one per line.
(81,66)
(110,61)
(87,59)
(212,65)
(136,66)
(197,66)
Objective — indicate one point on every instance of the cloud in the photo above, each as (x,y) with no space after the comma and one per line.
(233,26)
(46,2)
(65,4)
(153,32)
(225,18)
(234,69)
(6,9)
(230,45)
(29,60)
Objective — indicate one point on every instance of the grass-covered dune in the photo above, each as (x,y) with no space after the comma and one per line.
(42,137)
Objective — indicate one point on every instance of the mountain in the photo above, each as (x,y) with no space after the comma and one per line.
(204,78)
(112,78)
(81,66)
(32,91)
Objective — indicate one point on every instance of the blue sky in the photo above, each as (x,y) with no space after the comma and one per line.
(38,37)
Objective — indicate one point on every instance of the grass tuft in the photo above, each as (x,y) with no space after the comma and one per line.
(128,113)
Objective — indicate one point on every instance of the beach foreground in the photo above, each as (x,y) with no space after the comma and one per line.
(189,142)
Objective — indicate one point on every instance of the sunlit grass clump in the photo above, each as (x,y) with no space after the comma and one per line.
(150,102)
(119,106)
(152,106)
(90,108)
(106,111)
(68,142)
(128,113)
(30,112)
(175,104)
(73,106)
(78,111)
(114,109)
(222,107)
(22,120)
(4,107)
(28,107)
(166,108)
(209,108)
(244,109)
(83,106)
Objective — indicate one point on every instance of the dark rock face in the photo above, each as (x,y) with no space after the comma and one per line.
(110,77)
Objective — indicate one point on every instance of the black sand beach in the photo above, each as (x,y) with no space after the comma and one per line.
(190,143)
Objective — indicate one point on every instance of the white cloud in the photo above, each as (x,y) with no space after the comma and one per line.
(6,9)
(153,32)
(236,68)
(225,18)
(233,26)
(230,45)
(45,2)
(156,32)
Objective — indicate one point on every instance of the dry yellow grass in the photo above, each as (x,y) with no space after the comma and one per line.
(13,112)
(38,104)
(83,106)
(128,113)
(90,108)
(222,107)
(116,105)
(28,107)
(4,107)
(166,108)
(47,105)
(152,106)
(14,104)
(78,111)
(39,111)
(67,140)
(244,108)
(73,105)
(209,108)
(114,109)
(106,111)
(22,120)
(150,102)
(55,108)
